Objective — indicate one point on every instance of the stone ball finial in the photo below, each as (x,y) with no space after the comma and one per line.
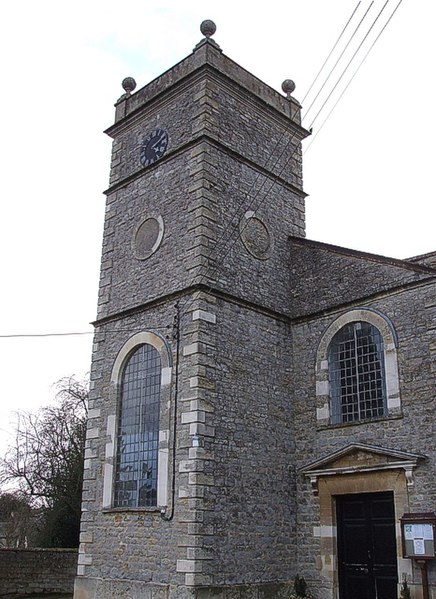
(288,87)
(208,28)
(128,84)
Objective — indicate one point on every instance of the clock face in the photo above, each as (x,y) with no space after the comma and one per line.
(153,146)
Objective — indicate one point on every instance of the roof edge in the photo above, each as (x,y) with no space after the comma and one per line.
(402,263)
(207,54)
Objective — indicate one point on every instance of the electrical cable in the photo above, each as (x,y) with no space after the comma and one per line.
(349,63)
(331,52)
(78,333)
(339,59)
(18,335)
(354,74)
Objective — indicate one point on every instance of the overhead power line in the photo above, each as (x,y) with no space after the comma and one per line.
(70,334)
(351,79)
(78,333)
(326,80)
(349,63)
(331,52)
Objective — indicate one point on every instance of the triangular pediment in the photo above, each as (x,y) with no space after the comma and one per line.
(358,457)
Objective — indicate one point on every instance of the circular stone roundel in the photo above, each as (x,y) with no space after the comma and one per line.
(148,237)
(255,236)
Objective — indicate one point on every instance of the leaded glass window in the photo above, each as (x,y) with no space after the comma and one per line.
(138,430)
(357,373)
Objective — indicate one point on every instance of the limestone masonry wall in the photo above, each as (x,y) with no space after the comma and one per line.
(31,571)
(254,536)
(324,276)
(413,316)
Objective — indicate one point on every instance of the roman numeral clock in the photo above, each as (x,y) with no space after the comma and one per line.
(153,147)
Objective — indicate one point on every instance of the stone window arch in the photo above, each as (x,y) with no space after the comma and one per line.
(136,466)
(375,384)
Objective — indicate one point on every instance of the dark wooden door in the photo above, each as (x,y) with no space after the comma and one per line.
(367,555)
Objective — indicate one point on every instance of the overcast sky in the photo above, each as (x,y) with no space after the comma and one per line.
(369,172)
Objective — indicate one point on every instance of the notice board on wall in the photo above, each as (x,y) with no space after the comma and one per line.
(418,535)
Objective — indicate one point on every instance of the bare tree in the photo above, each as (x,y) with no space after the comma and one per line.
(46,460)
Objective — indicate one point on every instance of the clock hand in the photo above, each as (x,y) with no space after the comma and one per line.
(158,142)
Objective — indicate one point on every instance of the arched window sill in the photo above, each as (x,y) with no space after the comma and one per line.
(337,425)
(135,510)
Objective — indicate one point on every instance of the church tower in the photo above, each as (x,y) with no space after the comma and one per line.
(189,451)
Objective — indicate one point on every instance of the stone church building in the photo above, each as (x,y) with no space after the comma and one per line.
(261,404)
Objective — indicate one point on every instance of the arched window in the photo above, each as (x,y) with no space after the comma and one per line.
(136,469)
(357,369)
(357,373)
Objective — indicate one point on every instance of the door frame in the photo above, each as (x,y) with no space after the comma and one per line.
(329,487)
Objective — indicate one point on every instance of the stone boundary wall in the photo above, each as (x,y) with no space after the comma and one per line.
(27,571)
